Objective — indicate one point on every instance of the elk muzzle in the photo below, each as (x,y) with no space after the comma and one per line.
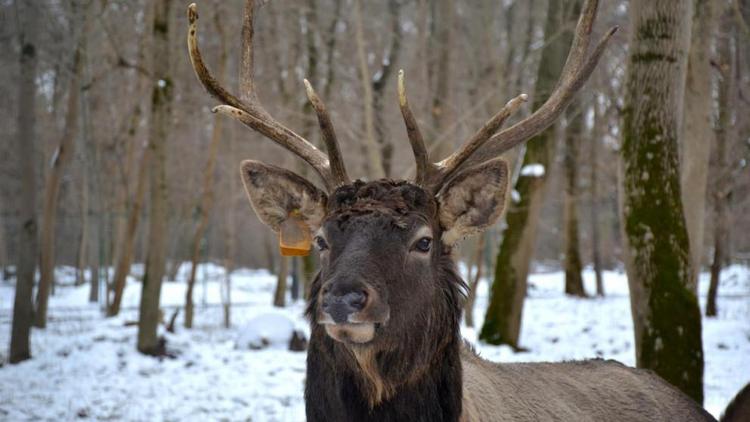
(351,312)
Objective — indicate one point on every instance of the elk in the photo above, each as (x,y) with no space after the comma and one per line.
(385,306)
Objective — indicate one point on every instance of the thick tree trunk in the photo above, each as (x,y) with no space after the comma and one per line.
(23,311)
(61,158)
(204,207)
(279,295)
(502,324)
(666,316)
(572,254)
(697,133)
(161,101)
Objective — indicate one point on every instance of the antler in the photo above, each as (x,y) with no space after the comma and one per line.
(252,114)
(486,143)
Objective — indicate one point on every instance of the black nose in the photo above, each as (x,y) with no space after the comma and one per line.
(339,305)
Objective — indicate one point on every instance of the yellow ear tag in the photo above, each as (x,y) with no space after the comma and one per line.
(294,236)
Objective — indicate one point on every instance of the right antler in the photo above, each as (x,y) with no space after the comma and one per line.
(486,143)
(252,114)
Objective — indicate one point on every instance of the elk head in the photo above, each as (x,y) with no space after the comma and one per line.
(387,276)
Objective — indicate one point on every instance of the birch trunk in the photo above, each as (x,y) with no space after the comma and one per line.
(664,307)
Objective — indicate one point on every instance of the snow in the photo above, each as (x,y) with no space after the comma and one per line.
(272,330)
(86,366)
(532,170)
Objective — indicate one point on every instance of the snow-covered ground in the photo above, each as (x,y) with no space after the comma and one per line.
(85,366)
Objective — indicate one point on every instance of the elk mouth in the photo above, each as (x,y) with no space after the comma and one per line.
(359,333)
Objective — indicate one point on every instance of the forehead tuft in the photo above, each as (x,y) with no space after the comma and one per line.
(396,199)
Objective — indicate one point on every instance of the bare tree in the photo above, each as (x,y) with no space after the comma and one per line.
(665,309)
(571,249)
(502,324)
(206,200)
(161,104)
(722,189)
(596,257)
(28,27)
(697,133)
(375,159)
(61,158)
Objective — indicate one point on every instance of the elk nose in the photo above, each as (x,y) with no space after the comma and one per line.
(340,306)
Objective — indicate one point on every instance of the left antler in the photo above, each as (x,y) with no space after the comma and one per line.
(252,114)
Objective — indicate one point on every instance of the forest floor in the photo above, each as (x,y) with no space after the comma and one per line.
(86,366)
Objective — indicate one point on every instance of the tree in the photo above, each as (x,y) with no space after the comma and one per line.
(722,183)
(502,324)
(161,109)
(571,250)
(374,157)
(206,200)
(664,307)
(697,132)
(61,158)
(28,27)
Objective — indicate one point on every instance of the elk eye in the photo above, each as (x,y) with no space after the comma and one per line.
(320,243)
(423,244)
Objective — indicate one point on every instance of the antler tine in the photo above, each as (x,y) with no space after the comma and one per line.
(577,70)
(448,166)
(252,113)
(412,131)
(338,169)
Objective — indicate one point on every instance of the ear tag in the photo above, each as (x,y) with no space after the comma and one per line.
(294,236)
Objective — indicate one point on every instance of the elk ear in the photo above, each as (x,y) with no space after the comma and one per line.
(473,200)
(277,193)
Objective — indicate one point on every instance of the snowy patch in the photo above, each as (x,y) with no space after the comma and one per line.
(269,330)
(86,366)
(532,170)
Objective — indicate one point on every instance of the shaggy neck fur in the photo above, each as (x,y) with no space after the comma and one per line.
(411,376)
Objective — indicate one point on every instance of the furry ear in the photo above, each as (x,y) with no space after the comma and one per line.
(276,193)
(473,200)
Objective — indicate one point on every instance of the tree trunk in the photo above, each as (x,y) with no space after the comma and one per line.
(61,158)
(471,296)
(665,310)
(279,295)
(374,158)
(502,324)
(572,254)
(124,260)
(697,132)
(23,311)
(722,183)
(161,101)
(600,125)
(204,207)
(441,42)
(380,82)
